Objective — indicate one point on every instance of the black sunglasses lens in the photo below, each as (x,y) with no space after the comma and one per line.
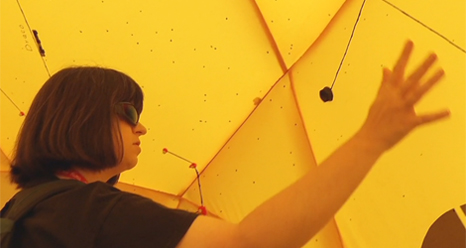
(131,113)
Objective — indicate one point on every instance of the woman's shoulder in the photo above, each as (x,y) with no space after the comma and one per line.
(108,194)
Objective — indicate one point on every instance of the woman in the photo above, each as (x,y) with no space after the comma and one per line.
(83,125)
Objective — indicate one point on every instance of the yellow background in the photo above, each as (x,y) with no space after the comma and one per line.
(234,86)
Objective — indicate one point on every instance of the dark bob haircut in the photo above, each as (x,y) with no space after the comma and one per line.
(71,123)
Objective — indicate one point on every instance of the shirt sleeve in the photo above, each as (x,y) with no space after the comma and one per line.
(135,221)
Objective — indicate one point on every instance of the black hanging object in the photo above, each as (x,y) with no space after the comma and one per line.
(326,94)
(39,43)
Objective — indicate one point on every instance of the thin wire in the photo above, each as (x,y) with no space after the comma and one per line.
(11,100)
(42,57)
(347,46)
(179,157)
(200,188)
(32,35)
(197,174)
(424,25)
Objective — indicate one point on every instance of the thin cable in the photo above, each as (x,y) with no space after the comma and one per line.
(193,166)
(33,35)
(176,155)
(11,100)
(349,43)
(200,188)
(424,25)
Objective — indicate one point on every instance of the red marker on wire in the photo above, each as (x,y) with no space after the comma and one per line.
(202,209)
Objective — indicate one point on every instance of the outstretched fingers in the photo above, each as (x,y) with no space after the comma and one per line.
(427,118)
(386,75)
(413,81)
(399,69)
(417,93)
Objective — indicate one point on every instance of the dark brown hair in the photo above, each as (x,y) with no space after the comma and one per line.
(71,122)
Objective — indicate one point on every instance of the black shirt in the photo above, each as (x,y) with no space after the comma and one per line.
(99,215)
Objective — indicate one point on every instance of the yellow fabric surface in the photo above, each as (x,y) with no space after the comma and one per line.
(234,87)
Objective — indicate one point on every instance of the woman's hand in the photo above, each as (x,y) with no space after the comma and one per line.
(392,115)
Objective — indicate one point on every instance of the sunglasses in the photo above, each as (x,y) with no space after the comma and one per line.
(127,111)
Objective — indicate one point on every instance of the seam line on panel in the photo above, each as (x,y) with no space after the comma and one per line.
(32,35)
(461,215)
(284,71)
(424,25)
(271,38)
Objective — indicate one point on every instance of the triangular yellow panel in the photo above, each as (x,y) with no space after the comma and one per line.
(233,86)
(422,177)
(268,153)
(21,68)
(200,67)
(295,24)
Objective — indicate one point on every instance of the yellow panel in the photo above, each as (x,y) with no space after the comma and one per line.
(296,24)
(268,153)
(7,190)
(203,67)
(21,72)
(167,200)
(200,66)
(5,162)
(423,176)
(446,18)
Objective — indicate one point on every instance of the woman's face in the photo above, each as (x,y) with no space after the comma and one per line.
(131,143)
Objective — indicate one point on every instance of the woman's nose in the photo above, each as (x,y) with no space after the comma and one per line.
(141,129)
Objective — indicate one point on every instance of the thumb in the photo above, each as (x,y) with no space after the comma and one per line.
(387,73)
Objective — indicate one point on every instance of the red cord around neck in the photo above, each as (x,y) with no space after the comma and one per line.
(72,174)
